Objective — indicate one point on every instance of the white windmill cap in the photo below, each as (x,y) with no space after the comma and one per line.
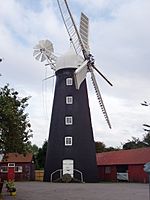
(69,60)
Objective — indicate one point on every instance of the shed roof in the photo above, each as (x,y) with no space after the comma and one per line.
(132,156)
(16,157)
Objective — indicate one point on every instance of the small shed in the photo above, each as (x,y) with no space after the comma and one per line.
(23,164)
(123,165)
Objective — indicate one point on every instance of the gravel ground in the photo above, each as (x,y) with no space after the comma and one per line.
(76,191)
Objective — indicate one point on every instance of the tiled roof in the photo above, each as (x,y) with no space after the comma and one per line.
(16,157)
(132,156)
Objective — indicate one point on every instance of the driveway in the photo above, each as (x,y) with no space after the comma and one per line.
(79,191)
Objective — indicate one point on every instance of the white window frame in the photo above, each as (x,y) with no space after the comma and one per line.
(18,169)
(4,169)
(69,81)
(68,120)
(68,141)
(69,100)
(11,164)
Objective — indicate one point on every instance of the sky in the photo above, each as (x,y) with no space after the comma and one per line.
(119,39)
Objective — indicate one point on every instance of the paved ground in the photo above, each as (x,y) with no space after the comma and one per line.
(76,191)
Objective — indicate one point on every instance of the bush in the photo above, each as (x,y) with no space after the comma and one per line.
(66,178)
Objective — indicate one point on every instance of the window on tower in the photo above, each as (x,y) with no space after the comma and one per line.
(69,81)
(68,120)
(68,141)
(69,100)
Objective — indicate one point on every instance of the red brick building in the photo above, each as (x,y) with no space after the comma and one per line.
(22,166)
(124,165)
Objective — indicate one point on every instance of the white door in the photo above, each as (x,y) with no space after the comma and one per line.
(68,167)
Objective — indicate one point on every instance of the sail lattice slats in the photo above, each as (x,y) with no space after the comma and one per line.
(84,30)
(75,38)
(98,94)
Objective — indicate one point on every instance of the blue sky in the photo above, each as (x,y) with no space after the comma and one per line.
(119,41)
(33,5)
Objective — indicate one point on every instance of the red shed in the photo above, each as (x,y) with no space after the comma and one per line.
(124,165)
(23,165)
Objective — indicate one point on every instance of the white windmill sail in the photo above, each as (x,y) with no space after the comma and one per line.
(80,42)
(44,51)
(101,103)
(70,25)
(80,74)
(84,30)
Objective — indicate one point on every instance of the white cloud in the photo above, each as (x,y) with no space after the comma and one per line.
(120,41)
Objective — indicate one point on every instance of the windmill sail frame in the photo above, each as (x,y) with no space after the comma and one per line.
(80,41)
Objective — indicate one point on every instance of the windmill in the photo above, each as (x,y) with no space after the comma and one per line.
(71,146)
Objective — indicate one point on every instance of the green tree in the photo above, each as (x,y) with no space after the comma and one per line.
(15,128)
(40,158)
(134,144)
(146,139)
(146,127)
(100,147)
(32,148)
(112,149)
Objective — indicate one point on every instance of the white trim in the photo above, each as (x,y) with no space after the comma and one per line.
(122,176)
(68,141)
(68,120)
(11,164)
(69,100)
(4,169)
(18,169)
